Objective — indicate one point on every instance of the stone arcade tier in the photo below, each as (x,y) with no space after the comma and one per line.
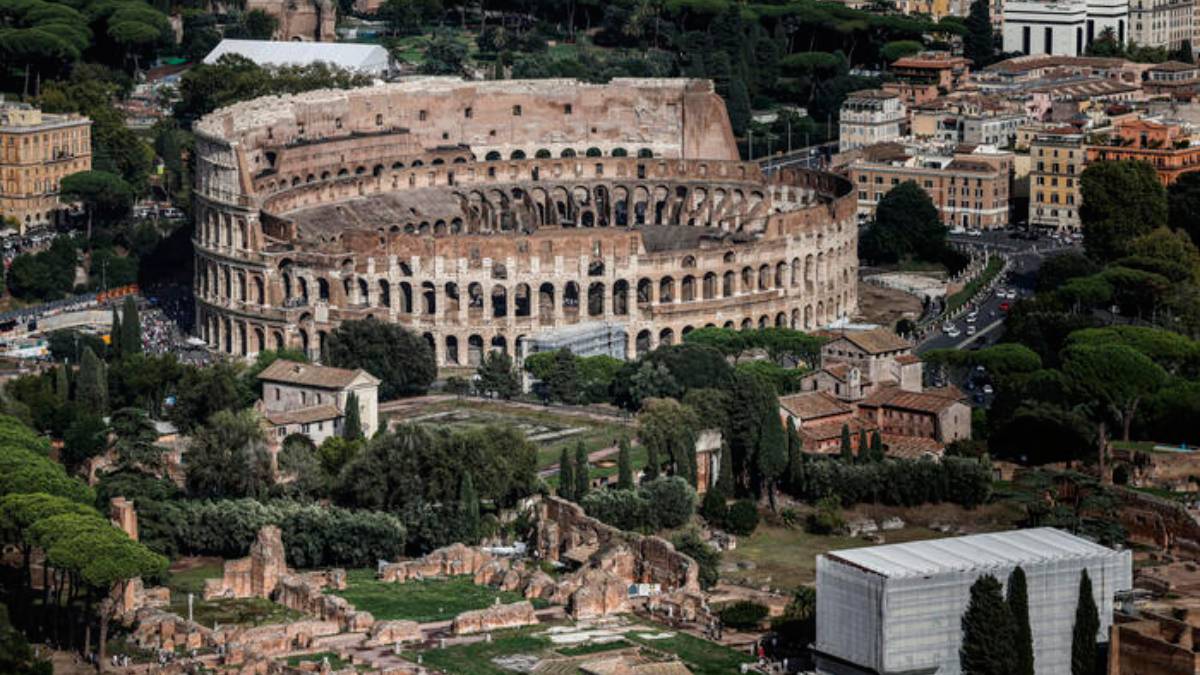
(480,214)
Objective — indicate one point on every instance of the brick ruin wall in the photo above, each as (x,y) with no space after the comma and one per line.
(449,207)
(1152,521)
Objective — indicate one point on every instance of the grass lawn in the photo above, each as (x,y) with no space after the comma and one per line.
(476,658)
(423,601)
(700,656)
(595,434)
(789,556)
(243,611)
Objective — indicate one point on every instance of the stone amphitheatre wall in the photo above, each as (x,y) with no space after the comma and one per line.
(450,207)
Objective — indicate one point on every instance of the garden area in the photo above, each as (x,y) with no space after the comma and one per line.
(549,429)
(424,600)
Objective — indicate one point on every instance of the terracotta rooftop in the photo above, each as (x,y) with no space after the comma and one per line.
(905,359)
(832,430)
(319,413)
(929,401)
(1173,66)
(872,93)
(811,405)
(1024,64)
(312,375)
(911,447)
(875,341)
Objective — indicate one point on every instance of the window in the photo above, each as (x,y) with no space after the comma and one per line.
(469,113)
(862,194)
(379,119)
(337,122)
(278,393)
(423,115)
(568,109)
(516,111)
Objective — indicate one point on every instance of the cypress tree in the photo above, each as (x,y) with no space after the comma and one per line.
(131,328)
(468,505)
(725,477)
(987,626)
(62,386)
(652,466)
(1087,624)
(877,447)
(979,44)
(1018,606)
(566,476)
(582,471)
(92,390)
(352,429)
(115,335)
(847,451)
(624,466)
(795,446)
(864,451)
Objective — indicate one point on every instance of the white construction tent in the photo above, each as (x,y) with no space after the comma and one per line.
(360,58)
(898,608)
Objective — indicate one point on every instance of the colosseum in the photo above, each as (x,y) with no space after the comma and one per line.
(480,214)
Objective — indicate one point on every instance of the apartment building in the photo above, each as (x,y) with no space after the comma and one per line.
(1057,159)
(1161,23)
(1179,81)
(870,116)
(928,75)
(970,186)
(36,151)
(1169,148)
(1062,27)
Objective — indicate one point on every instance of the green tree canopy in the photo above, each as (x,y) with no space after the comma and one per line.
(402,360)
(1121,201)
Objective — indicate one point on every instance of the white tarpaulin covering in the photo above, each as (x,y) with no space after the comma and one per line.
(361,58)
(899,607)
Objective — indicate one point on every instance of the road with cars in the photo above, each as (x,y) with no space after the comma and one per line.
(983,325)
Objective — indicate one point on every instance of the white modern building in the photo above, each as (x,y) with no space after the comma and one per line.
(360,58)
(898,608)
(1062,27)
(870,116)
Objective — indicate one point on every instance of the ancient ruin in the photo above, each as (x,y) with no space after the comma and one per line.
(514,615)
(482,213)
(602,564)
(254,576)
(307,20)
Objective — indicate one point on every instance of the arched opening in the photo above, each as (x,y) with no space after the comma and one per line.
(642,345)
(491,157)
(645,153)
(499,301)
(429,296)
(709,290)
(593,152)
(666,290)
(542,153)
(500,344)
(546,302)
(620,299)
(406,297)
(596,299)
(451,350)
(645,292)
(687,288)
(385,293)
(521,304)
(571,299)
(323,290)
(474,351)
(517,154)
(568,152)
(620,152)
(666,337)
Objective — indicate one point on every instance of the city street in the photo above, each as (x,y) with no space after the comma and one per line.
(1027,258)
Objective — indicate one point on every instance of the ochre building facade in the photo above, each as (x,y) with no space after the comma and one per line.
(480,214)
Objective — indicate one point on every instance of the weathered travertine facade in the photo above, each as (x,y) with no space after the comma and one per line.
(480,213)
